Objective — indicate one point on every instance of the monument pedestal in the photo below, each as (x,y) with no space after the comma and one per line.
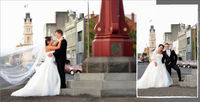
(109,65)
(102,85)
(112,47)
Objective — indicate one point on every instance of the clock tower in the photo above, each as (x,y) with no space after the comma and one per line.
(28,34)
(152,41)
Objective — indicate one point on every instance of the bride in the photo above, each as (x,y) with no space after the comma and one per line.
(46,80)
(155,74)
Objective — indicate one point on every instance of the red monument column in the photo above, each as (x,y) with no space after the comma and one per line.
(112,47)
(112,37)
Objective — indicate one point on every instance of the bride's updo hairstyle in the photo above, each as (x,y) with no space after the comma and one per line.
(161,45)
(47,40)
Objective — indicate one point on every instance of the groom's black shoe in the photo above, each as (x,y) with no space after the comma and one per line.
(180,80)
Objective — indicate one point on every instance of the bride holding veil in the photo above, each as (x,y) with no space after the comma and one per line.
(44,79)
(156,74)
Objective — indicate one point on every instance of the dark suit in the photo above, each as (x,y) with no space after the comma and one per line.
(170,62)
(60,56)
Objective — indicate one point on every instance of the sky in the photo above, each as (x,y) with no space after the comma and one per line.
(147,12)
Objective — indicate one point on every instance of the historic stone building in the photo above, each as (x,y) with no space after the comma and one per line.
(191,42)
(28,33)
(170,37)
(80,33)
(188,43)
(182,42)
(60,18)
(70,33)
(75,31)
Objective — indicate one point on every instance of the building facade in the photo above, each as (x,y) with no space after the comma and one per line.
(182,42)
(80,33)
(175,46)
(188,43)
(60,18)
(168,38)
(171,37)
(183,39)
(70,33)
(75,31)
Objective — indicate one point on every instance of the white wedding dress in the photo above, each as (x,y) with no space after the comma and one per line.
(45,81)
(155,76)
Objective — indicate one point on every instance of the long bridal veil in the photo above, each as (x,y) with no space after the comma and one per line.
(21,64)
(153,56)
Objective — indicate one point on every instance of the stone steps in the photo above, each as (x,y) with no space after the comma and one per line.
(81,91)
(107,85)
(105,76)
(84,84)
(102,84)
(98,92)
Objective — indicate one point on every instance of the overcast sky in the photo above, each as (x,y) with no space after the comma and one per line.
(147,12)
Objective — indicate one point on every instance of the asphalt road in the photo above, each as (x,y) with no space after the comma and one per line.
(5,97)
(142,67)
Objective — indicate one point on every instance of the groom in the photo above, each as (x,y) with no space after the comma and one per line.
(170,60)
(60,56)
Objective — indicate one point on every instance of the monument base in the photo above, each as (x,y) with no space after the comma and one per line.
(109,65)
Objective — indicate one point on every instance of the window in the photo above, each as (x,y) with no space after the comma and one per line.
(188,40)
(80,36)
(28,29)
(28,39)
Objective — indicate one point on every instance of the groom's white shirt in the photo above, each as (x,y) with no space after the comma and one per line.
(168,52)
(59,39)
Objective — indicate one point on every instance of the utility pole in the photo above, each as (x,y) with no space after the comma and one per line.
(88,30)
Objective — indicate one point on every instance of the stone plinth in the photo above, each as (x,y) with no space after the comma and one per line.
(109,65)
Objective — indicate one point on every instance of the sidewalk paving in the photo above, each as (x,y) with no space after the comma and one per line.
(5,97)
(168,91)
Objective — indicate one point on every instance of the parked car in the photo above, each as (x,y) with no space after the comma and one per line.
(72,69)
(180,63)
(192,64)
(139,61)
(187,64)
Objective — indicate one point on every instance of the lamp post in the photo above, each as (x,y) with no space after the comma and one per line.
(88,30)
